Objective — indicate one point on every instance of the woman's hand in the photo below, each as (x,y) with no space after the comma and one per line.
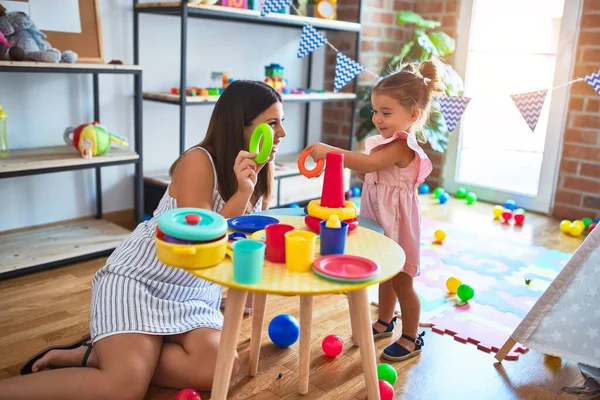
(246,172)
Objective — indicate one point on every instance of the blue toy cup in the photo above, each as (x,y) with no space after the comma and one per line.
(248,261)
(333,240)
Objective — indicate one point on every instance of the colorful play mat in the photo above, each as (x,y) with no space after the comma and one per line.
(507,276)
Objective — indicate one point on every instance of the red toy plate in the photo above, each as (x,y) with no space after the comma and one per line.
(346,266)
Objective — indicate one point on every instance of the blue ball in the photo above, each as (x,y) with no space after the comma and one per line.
(443,198)
(294,205)
(284,330)
(510,204)
(597,220)
(355,191)
(424,188)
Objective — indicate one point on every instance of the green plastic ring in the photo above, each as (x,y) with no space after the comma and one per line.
(265,132)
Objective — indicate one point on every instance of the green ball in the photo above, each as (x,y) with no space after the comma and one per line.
(465,292)
(471,198)
(437,192)
(385,372)
(587,221)
(461,193)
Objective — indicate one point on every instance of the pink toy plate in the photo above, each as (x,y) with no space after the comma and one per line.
(346,266)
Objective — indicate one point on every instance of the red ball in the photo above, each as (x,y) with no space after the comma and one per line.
(519,219)
(386,391)
(507,215)
(591,227)
(332,345)
(187,394)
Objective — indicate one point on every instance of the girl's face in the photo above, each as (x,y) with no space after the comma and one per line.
(274,117)
(389,116)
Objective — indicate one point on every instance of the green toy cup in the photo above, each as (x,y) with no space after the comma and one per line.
(248,261)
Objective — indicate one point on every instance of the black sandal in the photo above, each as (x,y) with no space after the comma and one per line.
(26,369)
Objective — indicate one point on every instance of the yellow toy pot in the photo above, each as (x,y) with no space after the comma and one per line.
(191,256)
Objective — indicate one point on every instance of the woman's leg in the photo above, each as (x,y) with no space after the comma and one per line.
(188,360)
(387,305)
(125,366)
(410,306)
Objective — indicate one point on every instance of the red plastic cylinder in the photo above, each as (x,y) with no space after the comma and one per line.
(276,242)
(332,195)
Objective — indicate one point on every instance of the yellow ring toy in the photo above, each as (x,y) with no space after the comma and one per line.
(315,209)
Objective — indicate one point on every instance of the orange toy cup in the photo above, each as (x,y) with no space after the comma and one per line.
(275,234)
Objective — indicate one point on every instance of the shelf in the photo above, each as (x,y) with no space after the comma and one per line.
(166,97)
(76,68)
(58,158)
(58,244)
(243,15)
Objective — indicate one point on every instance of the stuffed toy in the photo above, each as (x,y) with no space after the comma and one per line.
(31,40)
(8,52)
(92,139)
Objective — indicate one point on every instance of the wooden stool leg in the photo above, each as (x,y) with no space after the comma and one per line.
(355,330)
(258,319)
(505,349)
(306,308)
(234,313)
(359,307)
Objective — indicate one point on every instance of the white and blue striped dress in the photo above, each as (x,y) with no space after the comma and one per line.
(136,293)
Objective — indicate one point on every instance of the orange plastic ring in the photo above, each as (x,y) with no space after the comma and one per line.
(309,173)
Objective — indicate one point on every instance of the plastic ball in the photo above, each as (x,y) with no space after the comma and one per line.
(597,221)
(437,191)
(465,292)
(520,211)
(424,188)
(284,330)
(443,198)
(349,194)
(506,215)
(587,222)
(579,223)
(461,193)
(471,198)
(386,391)
(592,226)
(519,219)
(452,284)
(294,205)
(565,225)
(187,394)
(498,210)
(439,235)
(576,228)
(355,191)
(385,372)
(510,204)
(332,345)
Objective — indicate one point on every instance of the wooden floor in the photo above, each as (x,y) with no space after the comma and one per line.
(52,307)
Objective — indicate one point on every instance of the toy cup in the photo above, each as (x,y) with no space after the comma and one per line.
(248,260)
(276,242)
(333,240)
(300,250)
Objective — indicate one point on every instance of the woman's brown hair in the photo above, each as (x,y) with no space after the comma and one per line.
(239,104)
(413,86)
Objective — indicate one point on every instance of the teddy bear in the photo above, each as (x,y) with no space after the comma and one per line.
(31,40)
(8,52)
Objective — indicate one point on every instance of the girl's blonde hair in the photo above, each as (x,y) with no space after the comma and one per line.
(413,86)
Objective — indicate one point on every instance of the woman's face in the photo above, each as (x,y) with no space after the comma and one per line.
(274,117)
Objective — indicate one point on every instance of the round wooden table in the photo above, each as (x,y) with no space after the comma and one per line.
(277,279)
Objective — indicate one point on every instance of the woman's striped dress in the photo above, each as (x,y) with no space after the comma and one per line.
(136,293)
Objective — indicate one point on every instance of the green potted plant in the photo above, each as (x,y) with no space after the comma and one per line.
(424,44)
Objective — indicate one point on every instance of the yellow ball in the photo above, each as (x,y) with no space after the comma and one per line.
(576,229)
(452,284)
(580,223)
(498,210)
(565,225)
(439,235)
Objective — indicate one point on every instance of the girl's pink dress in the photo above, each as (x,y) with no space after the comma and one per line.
(389,197)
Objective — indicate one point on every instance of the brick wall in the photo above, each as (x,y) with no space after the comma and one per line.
(578,191)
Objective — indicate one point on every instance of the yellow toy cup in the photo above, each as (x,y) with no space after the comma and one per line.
(299,250)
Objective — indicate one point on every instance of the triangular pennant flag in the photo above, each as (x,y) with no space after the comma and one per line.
(345,70)
(530,106)
(593,80)
(452,108)
(310,40)
(273,5)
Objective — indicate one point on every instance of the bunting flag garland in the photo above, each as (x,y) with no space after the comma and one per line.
(345,70)
(452,108)
(273,5)
(530,106)
(310,40)
(593,80)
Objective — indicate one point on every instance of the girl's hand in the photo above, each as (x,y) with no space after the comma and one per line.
(246,172)
(319,150)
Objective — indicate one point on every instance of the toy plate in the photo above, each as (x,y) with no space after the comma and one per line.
(207,225)
(331,278)
(347,267)
(251,223)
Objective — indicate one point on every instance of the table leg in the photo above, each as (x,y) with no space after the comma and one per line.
(359,308)
(234,312)
(306,308)
(355,330)
(258,319)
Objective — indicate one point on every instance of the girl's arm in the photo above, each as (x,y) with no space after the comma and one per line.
(194,182)
(394,153)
